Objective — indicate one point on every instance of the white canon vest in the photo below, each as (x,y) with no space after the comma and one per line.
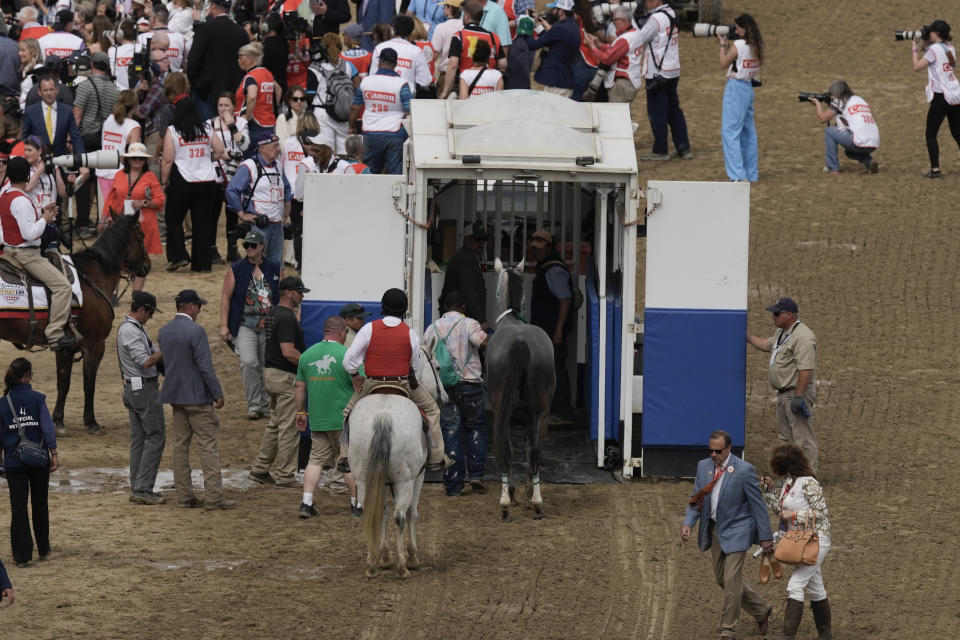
(855,116)
(746,66)
(267,196)
(114,138)
(194,159)
(633,60)
(666,39)
(381,97)
(941,75)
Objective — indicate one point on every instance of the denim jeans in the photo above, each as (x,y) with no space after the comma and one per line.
(384,151)
(738,131)
(273,239)
(833,137)
(463,419)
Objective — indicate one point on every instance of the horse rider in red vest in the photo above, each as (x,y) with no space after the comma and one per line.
(389,351)
(22,223)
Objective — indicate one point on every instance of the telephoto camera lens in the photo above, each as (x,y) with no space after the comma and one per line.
(902,34)
(704,30)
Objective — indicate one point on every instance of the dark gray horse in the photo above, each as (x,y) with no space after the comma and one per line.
(519,365)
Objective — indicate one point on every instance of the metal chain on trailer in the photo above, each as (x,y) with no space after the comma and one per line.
(619,204)
(421,225)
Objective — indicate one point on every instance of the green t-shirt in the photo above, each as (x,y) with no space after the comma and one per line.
(328,384)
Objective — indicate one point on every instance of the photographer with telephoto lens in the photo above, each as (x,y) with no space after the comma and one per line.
(943,90)
(236,140)
(741,52)
(624,58)
(856,129)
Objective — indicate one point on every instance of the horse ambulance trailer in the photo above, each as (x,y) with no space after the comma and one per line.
(519,161)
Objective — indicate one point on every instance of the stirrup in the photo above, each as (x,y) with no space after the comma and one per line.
(343,465)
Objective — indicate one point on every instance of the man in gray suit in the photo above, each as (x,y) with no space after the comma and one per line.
(727,501)
(192,388)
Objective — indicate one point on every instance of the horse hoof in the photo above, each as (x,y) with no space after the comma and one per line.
(94,429)
(385,563)
(505,516)
(370,572)
(413,562)
(539,514)
(405,573)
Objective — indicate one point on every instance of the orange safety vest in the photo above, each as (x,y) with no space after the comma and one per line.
(263,113)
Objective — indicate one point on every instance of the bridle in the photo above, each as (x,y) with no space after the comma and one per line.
(523,299)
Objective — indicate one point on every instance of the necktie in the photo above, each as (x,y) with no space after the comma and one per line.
(717,472)
(49,121)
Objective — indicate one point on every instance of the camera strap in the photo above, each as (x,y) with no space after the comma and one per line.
(671,25)
(134,183)
(476,80)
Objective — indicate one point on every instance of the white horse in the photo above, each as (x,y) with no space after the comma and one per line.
(389,446)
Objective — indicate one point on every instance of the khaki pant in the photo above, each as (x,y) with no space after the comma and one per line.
(200,420)
(622,91)
(728,572)
(60,293)
(281,438)
(423,400)
(564,93)
(794,427)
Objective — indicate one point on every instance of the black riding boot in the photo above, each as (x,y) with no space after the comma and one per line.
(791,620)
(821,616)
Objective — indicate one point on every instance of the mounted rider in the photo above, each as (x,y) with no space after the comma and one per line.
(22,222)
(389,351)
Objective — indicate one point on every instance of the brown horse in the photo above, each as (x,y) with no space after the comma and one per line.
(119,248)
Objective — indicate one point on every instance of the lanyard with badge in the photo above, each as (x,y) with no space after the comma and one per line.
(782,341)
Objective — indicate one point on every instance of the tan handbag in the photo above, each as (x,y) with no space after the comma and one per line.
(800,546)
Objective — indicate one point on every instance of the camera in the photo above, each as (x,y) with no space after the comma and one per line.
(602,10)
(11,106)
(239,232)
(804,96)
(704,30)
(294,27)
(596,84)
(91,160)
(914,34)
(11,27)
(139,68)
(65,70)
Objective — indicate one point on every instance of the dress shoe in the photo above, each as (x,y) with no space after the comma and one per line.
(23,565)
(148,497)
(261,478)
(192,503)
(776,567)
(221,505)
(765,570)
(43,557)
(173,266)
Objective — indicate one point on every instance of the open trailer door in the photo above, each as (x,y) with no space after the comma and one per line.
(354,244)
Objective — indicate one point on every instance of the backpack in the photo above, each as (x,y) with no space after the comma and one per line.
(340,91)
(446,369)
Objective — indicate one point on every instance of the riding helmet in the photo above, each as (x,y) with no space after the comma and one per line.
(394,303)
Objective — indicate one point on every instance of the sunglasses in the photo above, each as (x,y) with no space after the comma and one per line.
(776,314)
(716,451)
(250,245)
(297,99)
(4,161)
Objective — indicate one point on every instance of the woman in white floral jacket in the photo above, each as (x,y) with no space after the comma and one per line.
(799,499)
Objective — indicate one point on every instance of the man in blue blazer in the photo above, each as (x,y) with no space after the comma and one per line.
(727,501)
(192,388)
(64,125)
(369,13)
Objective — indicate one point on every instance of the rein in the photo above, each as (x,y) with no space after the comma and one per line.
(433,370)
(110,303)
(523,297)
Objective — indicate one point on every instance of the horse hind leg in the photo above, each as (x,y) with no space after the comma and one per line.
(383,554)
(401,520)
(413,516)
(536,435)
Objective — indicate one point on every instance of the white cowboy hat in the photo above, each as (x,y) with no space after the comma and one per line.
(136,150)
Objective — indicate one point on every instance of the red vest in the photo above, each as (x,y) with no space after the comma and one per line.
(357,168)
(389,351)
(297,63)
(34,32)
(511,17)
(11,229)
(263,108)
(360,59)
(468,38)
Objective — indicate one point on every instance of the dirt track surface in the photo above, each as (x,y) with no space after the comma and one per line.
(871,260)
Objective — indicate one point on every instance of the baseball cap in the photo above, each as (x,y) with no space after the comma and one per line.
(566,5)
(144,299)
(476,231)
(353,310)
(223,3)
(293,283)
(541,238)
(266,138)
(324,136)
(189,295)
(64,17)
(253,236)
(353,30)
(18,169)
(100,61)
(525,26)
(388,55)
(940,27)
(783,304)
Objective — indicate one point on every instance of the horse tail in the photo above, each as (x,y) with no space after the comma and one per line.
(377,460)
(518,355)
